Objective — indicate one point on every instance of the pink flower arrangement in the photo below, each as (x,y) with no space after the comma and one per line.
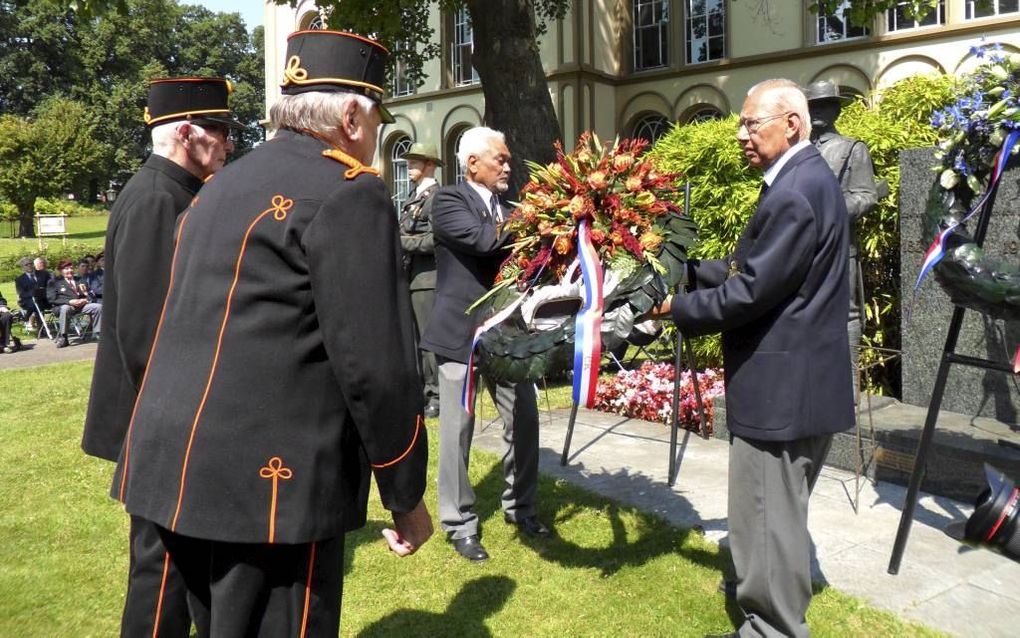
(647,393)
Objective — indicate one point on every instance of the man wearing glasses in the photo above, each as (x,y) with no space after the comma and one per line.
(780,302)
(190,124)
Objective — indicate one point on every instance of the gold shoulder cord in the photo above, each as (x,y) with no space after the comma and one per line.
(356,167)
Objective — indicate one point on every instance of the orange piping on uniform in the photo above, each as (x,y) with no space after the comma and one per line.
(162,591)
(356,167)
(279,206)
(274,470)
(417,428)
(308,591)
(148,362)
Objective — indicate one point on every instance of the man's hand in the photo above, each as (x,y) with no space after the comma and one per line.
(658,312)
(77,303)
(413,529)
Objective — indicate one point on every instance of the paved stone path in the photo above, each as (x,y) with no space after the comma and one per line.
(44,351)
(942,584)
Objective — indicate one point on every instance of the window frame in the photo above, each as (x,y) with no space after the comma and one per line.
(892,24)
(820,20)
(662,26)
(400,180)
(689,40)
(461,27)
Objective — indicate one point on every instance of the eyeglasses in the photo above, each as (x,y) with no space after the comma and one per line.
(752,125)
(221,130)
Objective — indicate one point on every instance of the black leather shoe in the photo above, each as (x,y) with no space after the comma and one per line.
(728,587)
(470,547)
(431,411)
(529,526)
(62,342)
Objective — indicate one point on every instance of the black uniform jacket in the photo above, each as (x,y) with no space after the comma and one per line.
(469,251)
(29,288)
(60,292)
(417,240)
(139,247)
(781,303)
(284,362)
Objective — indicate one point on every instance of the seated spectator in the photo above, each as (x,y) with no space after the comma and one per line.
(25,285)
(70,297)
(8,342)
(43,278)
(95,281)
(84,276)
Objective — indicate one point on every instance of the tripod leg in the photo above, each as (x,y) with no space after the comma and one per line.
(917,475)
(570,433)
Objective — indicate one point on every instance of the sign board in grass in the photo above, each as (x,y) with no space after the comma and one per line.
(51,226)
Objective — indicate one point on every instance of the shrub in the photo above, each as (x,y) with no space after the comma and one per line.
(54,254)
(647,393)
(724,192)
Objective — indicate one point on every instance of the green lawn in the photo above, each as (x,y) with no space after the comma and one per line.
(613,571)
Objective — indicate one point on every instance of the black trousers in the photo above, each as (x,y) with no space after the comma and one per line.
(247,590)
(156,602)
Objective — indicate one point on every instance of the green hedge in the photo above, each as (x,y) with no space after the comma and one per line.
(54,254)
(724,191)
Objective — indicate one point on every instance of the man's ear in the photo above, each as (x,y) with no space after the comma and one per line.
(349,120)
(184,131)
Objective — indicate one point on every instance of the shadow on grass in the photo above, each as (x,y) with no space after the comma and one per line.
(645,538)
(92,234)
(464,616)
(370,533)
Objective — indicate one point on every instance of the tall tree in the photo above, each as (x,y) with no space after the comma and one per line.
(47,155)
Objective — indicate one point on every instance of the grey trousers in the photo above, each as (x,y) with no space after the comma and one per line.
(421,305)
(769,486)
(518,407)
(93,310)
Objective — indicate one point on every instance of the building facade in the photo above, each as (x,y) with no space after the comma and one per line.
(636,67)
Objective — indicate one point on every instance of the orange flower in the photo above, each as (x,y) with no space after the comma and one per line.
(597,236)
(623,161)
(650,240)
(544,227)
(633,183)
(563,245)
(597,180)
(576,206)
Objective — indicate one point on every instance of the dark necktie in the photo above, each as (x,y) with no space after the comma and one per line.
(494,207)
(764,189)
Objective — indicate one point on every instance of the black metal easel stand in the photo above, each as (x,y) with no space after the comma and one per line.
(949,356)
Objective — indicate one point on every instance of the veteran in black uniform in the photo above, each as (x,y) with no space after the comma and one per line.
(189,123)
(283,366)
(419,248)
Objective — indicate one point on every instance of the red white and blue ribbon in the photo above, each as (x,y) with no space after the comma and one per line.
(588,326)
(467,393)
(937,250)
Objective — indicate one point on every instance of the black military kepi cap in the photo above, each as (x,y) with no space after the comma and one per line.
(333,61)
(193,98)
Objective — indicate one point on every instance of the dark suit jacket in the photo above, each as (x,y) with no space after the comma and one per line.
(417,240)
(59,292)
(284,362)
(782,312)
(469,251)
(139,246)
(28,288)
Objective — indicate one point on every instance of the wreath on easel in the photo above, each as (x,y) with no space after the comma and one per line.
(980,134)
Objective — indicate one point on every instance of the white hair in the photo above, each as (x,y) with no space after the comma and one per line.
(165,137)
(786,96)
(320,112)
(475,141)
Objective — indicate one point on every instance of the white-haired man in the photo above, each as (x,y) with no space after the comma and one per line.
(284,364)
(190,126)
(467,220)
(781,302)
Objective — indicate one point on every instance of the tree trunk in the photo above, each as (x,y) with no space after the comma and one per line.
(516,93)
(26,217)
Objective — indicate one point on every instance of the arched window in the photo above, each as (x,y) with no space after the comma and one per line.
(400,181)
(650,127)
(704,114)
(454,174)
(312,20)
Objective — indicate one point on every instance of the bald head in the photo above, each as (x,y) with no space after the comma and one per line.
(773,119)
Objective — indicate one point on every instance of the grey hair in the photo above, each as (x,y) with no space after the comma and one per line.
(316,111)
(475,141)
(786,95)
(165,138)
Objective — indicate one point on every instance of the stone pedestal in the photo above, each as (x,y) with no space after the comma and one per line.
(969,391)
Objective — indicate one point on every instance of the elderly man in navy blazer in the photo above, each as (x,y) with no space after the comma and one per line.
(470,245)
(780,302)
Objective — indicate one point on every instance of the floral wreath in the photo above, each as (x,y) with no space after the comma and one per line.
(602,202)
(979,134)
